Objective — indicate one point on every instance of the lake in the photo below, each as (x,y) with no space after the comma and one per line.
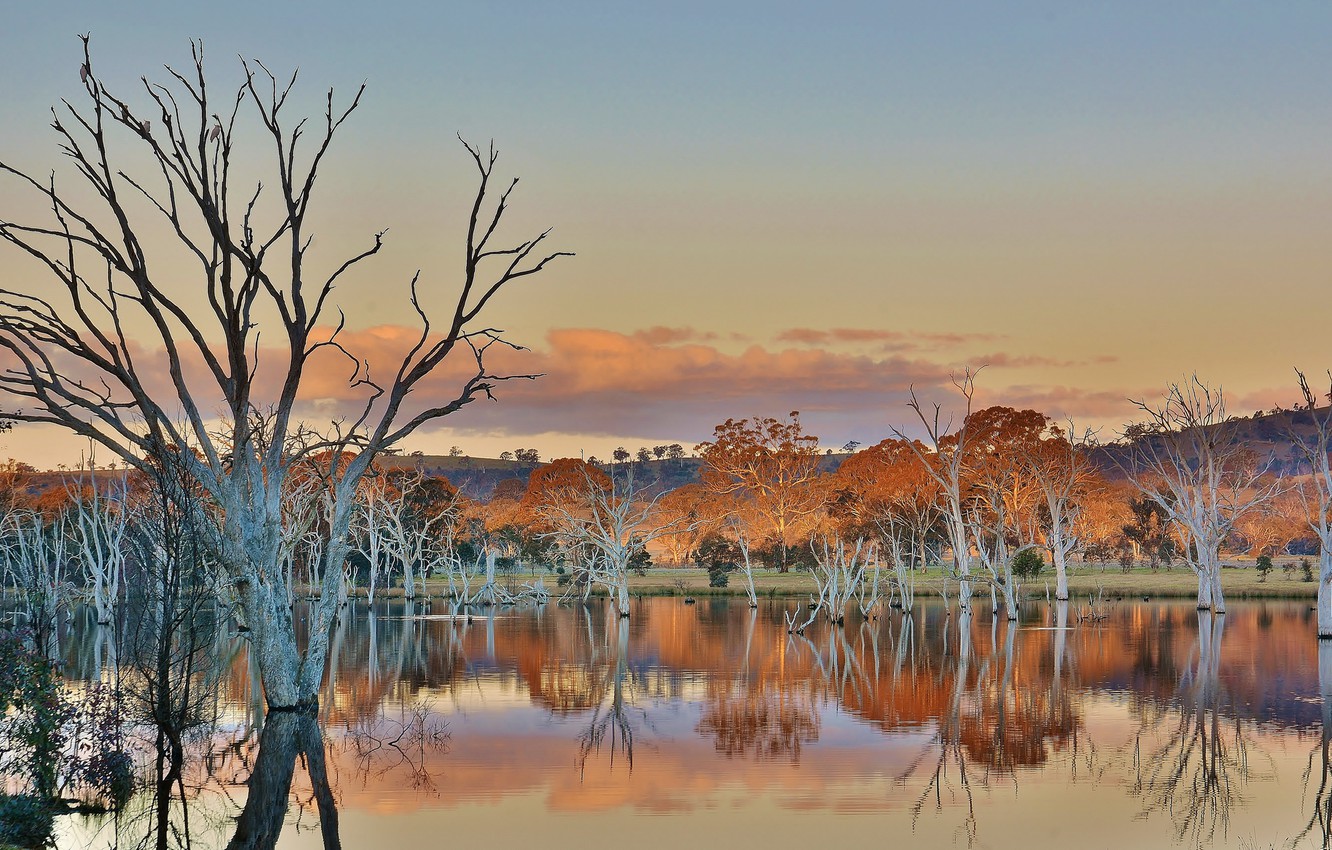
(704,724)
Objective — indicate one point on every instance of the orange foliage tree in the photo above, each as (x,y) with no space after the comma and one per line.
(692,511)
(774,465)
(884,491)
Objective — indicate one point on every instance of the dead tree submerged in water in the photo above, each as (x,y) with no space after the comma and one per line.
(945,460)
(1314,445)
(203,400)
(1187,458)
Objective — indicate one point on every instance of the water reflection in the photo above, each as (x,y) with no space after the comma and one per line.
(286,736)
(757,710)
(1174,723)
(1196,771)
(1318,774)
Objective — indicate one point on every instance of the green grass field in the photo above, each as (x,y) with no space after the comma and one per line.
(1240,582)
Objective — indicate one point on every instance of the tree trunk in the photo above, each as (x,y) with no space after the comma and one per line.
(1204,590)
(1061,572)
(622,593)
(408,578)
(1218,597)
(273,642)
(1325,595)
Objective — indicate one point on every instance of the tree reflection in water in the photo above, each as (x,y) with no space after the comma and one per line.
(972,713)
(759,713)
(1193,764)
(286,735)
(1320,817)
(612,721)
(994,717)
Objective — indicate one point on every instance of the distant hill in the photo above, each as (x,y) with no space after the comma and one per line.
(477,477)
(1269,434)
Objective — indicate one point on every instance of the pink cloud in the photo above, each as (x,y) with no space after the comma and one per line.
(1022,361)
(889,340)
(661,335)
(674,383)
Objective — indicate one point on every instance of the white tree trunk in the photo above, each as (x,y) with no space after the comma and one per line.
(1204,590)
(1325,594)
(622,593)
(1059,554)
(1218,596)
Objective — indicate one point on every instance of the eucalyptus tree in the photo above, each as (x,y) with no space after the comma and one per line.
(1063,475)
(1003,509)
(772,463)
(162,364)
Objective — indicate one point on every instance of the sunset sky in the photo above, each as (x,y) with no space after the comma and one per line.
(794,206)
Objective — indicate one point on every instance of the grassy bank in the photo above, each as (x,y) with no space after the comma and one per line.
(1239,583)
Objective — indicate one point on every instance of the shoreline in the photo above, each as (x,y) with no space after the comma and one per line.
(1112,583)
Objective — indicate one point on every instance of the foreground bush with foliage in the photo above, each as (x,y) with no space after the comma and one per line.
(51,744)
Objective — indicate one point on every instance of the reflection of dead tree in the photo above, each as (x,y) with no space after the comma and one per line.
(611,722)
(952,778)
(1321,815)
(1197,775)
(385,745)
(286,735)
(959,787)
(994,722)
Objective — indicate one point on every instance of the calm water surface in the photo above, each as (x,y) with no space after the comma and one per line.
(701,724)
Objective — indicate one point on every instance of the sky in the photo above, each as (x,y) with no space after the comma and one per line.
(781,206)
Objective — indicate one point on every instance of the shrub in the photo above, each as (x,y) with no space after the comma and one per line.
(719,556)
(1306,569)
(1264,566)
(33,712)
(99,762)
(1028,564)
(25,821)
(640,560)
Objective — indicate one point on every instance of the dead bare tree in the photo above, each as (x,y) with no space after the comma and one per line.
(839,574)
(609,525)
(1314,445)
(129,352)
(946,462)
(1189,461)
(99,522)
(1063,473)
